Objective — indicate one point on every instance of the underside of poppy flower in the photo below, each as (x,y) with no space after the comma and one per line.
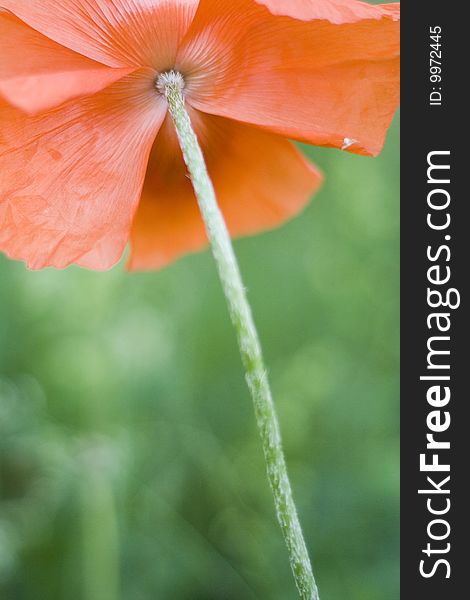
(89,159)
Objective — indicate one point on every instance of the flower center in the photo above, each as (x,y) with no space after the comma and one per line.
(169,79)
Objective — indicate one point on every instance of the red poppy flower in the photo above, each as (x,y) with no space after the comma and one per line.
(89,159)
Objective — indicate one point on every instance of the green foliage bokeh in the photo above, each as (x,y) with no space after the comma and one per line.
(130,467)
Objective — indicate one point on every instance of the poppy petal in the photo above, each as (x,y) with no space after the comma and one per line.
(70,179)
(117,33)
(326,83)
(37,74)
(334,11)
(260,181)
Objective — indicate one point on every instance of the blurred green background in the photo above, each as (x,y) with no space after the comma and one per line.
(130,467)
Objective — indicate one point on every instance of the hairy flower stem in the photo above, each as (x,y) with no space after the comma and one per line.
(172,86)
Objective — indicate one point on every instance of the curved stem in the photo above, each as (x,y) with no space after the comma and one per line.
(172,85)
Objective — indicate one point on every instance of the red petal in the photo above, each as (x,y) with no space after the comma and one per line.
(70,180)
(260,180)
(37,74)
(335,11)
(115,32)
(330,84)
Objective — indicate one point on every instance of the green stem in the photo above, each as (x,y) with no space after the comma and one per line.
(99,528)
(172,86)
